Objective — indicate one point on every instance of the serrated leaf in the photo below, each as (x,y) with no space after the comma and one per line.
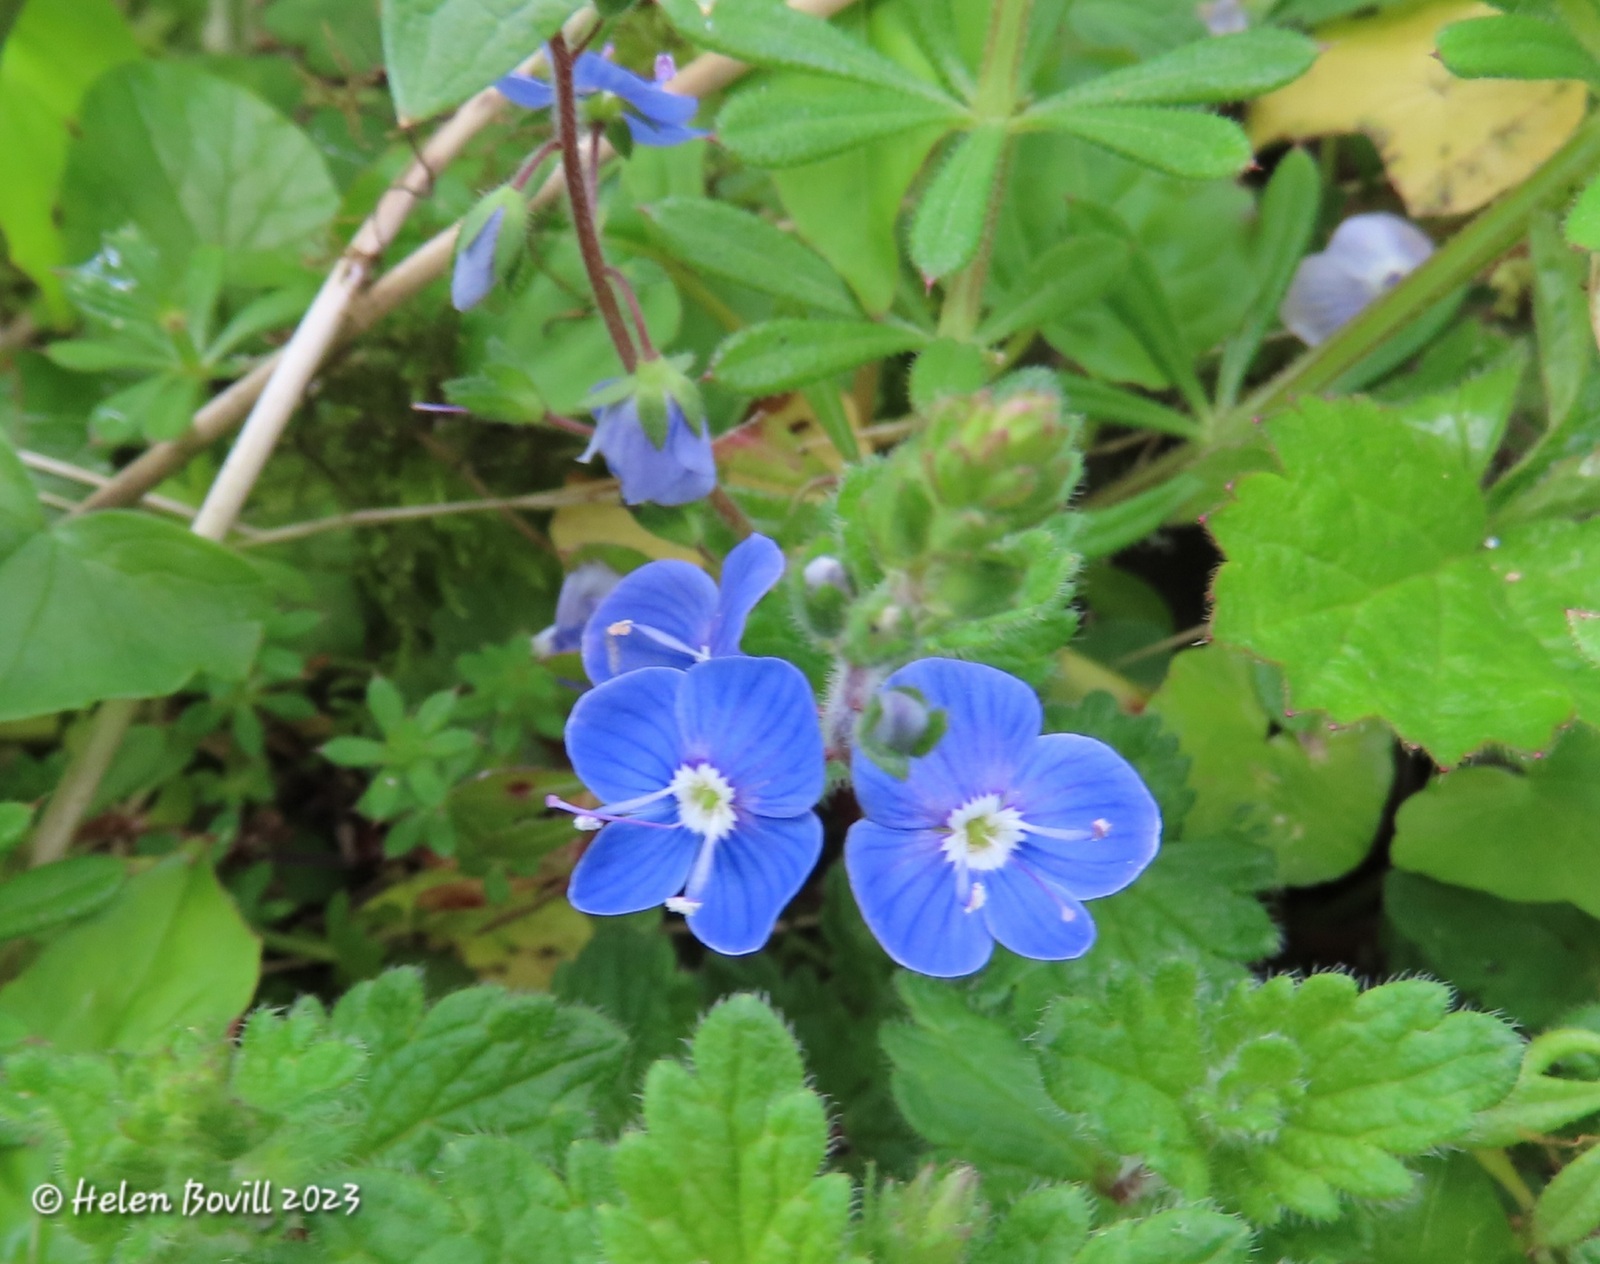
(1456,829)
(1276,1097)
(970,1089)
(1585,625)
(170,952)
(1539,1102)
(1185,143)
(770,33)
(1043,1226)
(1311,795)
(729,242)
(1583,220)
(482,1059)
(440,52)
(193,161)
(1183,1235)
(1206,72)
(39,899)
(796,119)
(725,1169)
(1458,639)
(119,605)
(950,216)
(1514,46)
(779,355)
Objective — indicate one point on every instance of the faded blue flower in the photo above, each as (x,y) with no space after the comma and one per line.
(681,470)
(1223,17)
(671,614)
(581,593)
(997,833)
(1367,256)
(708,778)
(473,275)
(654,117)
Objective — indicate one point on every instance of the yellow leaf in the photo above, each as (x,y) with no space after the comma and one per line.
(575,526)
(781,451)
(1449,145)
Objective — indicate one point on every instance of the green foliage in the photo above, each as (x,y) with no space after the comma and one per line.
(1514,46)
(1274,1098)
(726,1169)
(440,52)
(1456,829)
(168,952)
(1458,641)
(55,894)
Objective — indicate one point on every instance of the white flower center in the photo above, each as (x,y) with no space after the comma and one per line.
(705,801)
(982,834)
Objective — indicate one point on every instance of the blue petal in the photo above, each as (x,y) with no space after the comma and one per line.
(671,597)
(473,275)
(992,721)
(596,74)
(755,872)
(581,594)
(661,135)
(623,735)
(1070,782)
(1031,919)
(526,91)
(1379,248)
(1322,298)
(906,890)
(629,867)
(748,575)
(755,721)
(684,469)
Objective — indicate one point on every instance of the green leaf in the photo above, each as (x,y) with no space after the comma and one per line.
(1289,210)
(169,953)
(1183,1235)
(1531,962)
(725,1169)
(1585,625)
(779,355)
(1206,72)
(1560,317)
(1100,401)
(972,1090)
(1583,220)
(737,245)
(1313,794)
(1514,46)
(20,514)
(1568,1209)
(794,119)
(481,1060)
(1276,1097)
(440,52)
(1044,1226)
(1472,417)
(1190,144)
(40,899)
(1457,829)
(55,51)
(354,752)
(119,605)
(15,818)
(1458,639)
(954,208)
(1540,1102)
(192,161)
(340,39)
(1067,276)
(770,33)
(1113,528)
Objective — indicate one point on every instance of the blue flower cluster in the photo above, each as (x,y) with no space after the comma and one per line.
(709,764)
(654,116)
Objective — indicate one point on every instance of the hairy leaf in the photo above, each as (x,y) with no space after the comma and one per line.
(439,52)
(1211,71)
(779,355)
(1193,145)
(794,119)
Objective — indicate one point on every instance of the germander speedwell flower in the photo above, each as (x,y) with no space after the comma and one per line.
(654,116)
(708,778)
(581,594)
(997,833)
(671,614)
(1367,256)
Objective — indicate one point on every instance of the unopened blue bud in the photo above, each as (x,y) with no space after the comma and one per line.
(902,722)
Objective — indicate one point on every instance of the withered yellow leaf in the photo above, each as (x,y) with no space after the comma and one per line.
(1449,145)
(575,526)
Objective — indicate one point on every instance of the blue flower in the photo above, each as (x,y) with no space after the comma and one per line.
(1367,256)
(683,469)
(581,593)
(473,275)
(997,834)
(657,117)
(708,779)
(670,614)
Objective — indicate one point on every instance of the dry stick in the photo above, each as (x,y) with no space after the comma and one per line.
(335,307)
(92,478)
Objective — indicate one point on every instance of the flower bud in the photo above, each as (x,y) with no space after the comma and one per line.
(902,721)
(490,242)
(651,428)
(1367,256)
(826,572)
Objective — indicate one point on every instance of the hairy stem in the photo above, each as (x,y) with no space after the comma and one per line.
(583,209)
